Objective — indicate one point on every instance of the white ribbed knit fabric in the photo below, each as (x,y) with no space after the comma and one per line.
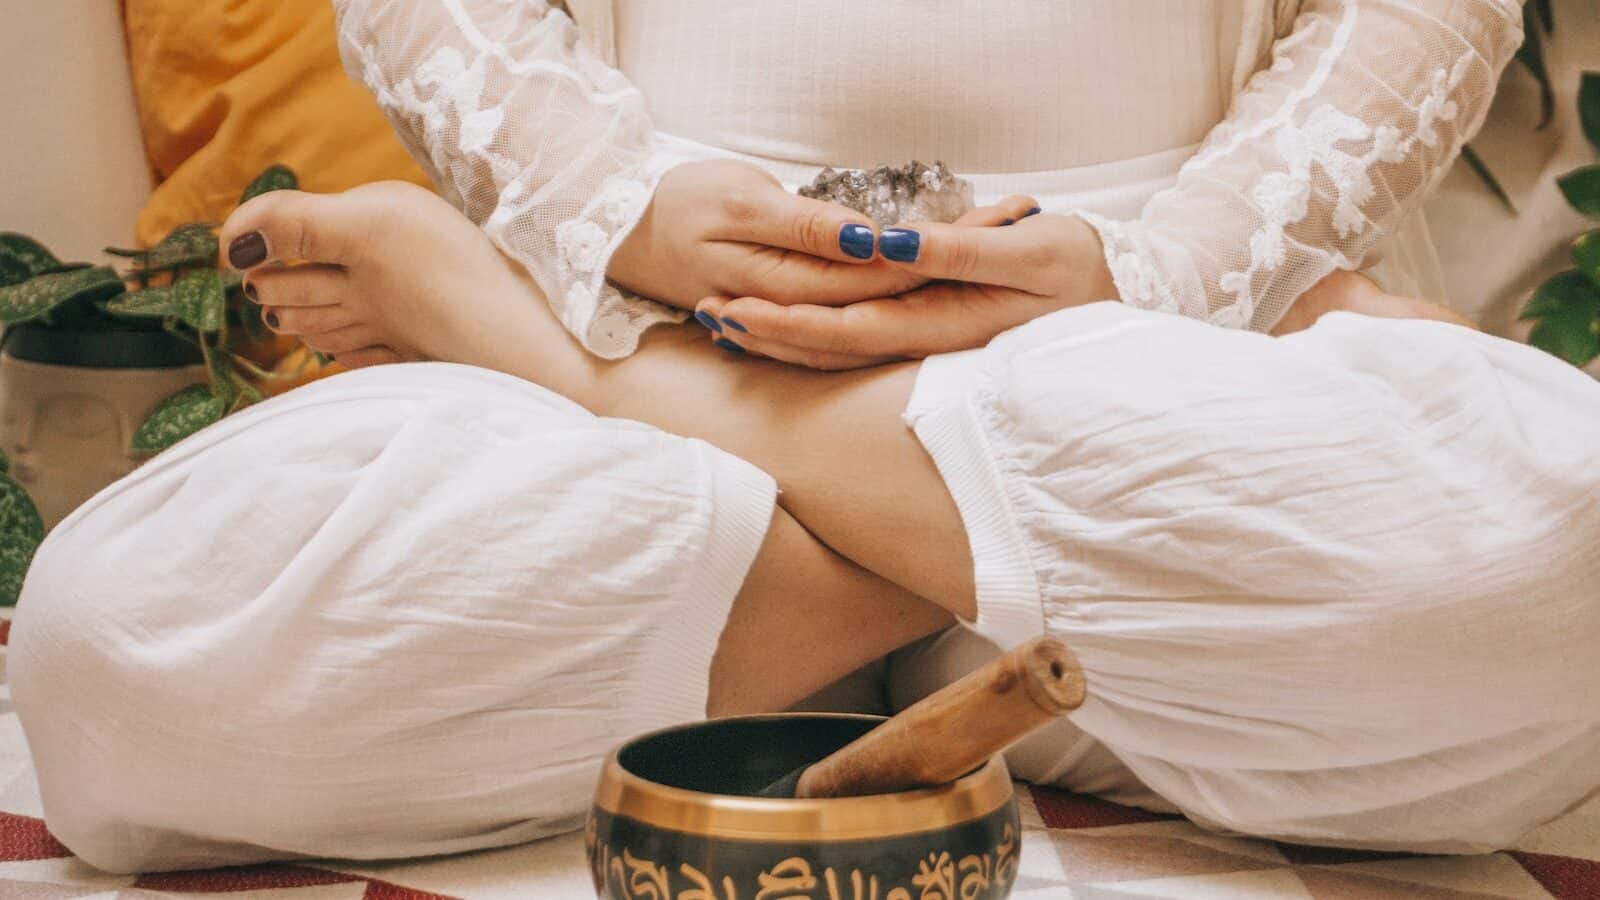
(1303,171)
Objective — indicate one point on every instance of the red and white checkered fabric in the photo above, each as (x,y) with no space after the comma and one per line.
(1074,848)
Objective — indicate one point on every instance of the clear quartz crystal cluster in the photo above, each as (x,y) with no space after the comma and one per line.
(894,194)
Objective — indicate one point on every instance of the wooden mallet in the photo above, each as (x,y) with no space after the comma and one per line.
(951,732)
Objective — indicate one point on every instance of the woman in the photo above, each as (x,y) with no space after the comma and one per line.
(434,634)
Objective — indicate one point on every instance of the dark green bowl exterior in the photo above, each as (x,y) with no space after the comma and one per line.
(970,856)
(973,861)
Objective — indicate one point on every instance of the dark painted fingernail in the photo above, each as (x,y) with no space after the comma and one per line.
(728,345)
(250,293)
(1008,221)
(247,250)
(708,320)
(734,325)
(272,320)
(900,244)
(856,240)
(1032,212)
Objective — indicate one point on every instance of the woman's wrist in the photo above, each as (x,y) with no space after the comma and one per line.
(1097,280)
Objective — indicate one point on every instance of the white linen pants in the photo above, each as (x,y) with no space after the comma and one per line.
(1338,587)
(404,611)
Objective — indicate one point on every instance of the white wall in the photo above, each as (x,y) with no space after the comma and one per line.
(72,165)
(1493,259)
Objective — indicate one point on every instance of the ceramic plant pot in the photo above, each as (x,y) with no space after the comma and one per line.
(674,819)
(71,400)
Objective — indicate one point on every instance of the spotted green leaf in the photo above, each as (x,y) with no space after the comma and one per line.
(186,245)
(150,303)
(177,417)
(40,294)
(1582,189)
(275,178)
(22,257)
(18,515)
(16,553)
(198,298)
(223,383)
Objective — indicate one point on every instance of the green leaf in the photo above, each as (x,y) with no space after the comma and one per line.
(156,303)
(16,554)
(275,178)
(18,515)
(1564,290)
(42,293)
(198,298)
(1582,189)
(1570,334)
(204,299)
(1473,160)
(22,257)
(1568,309)
(1586,254)
(1589,106)
(220,364)
(5,463)
(187,245)
(177,417)
(1531,55)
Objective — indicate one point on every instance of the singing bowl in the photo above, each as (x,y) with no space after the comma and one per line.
(675,818)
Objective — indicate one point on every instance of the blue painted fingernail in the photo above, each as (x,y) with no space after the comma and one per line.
(900,244)
(708,321)
(856,240)
(1032,212)
(1004,222)
(728,345)
(733,324)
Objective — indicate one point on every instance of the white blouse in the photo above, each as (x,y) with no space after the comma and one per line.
(525,121)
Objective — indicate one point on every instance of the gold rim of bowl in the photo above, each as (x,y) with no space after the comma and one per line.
(973,796)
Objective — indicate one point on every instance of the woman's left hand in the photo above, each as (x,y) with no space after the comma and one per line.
(989,280)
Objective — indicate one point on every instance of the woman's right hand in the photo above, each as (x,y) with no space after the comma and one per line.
(728,228)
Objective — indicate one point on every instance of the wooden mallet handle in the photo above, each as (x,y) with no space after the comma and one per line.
(953,731)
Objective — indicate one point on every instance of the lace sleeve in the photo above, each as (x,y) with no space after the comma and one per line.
(1365,105)
(529,133)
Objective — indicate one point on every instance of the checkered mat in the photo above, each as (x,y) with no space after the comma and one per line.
(1073,847)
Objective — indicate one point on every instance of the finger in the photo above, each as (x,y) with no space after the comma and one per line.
(1006,212)
(745,344)
(790,276)
(307,320)
(311,284)
(1029,256)
(939,318)
(341,341)
(776,218)
(856,330)
(289,226)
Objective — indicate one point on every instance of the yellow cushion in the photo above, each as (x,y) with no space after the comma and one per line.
(226,88)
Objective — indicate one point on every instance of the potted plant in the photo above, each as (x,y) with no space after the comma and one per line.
(100,368)
(1566,307)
